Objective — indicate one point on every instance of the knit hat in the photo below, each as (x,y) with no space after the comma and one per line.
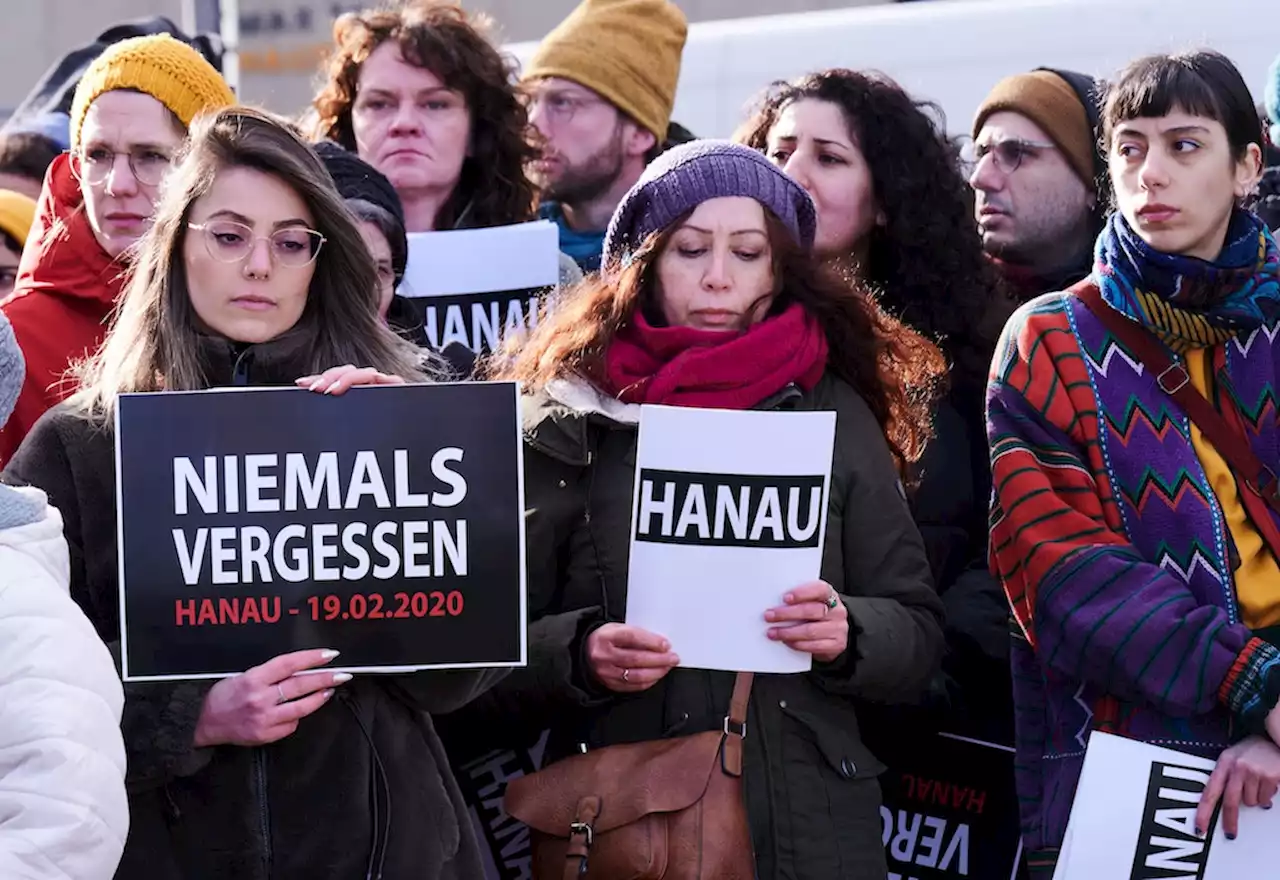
(1271,100)
(686,176)
(357,179)
(17,213)
(12,370)
(1048,100)
(627,50)
(168,70)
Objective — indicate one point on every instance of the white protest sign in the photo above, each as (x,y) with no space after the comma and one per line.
(729,512)
(475,285)
(1134,819)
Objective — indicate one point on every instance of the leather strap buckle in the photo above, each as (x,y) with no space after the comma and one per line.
(1180,375)
(729,724)
(585,830)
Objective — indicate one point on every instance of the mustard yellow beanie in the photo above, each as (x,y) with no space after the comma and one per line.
(17,213)
(627,50)
(168,70)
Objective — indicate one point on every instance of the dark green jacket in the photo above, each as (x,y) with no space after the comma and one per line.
(811,784)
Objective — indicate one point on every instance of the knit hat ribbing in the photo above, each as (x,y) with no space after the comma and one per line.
(626,50)
(1050,102)
(17,213)
(357,179)
(686,176)
(13,370)
(168,70)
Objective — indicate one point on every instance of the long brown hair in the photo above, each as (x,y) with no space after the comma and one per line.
(442,38)
(154,344)
(925,263)
(896,370)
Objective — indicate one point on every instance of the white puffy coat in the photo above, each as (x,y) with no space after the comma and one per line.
(63,809)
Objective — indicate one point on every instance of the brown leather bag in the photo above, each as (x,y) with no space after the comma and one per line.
(665,810)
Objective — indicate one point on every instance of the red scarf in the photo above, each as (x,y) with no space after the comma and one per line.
(683,366)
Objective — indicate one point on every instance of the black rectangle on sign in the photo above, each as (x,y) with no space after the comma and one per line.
(729,510)
(1168,846)
(480,321)
(386,523)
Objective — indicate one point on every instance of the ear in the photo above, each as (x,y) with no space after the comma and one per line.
(637,140)
(1248,171)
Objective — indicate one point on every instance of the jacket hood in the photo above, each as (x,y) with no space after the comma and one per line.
(63,258)
(28,523)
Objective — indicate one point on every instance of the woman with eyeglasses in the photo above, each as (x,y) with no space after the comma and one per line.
(255,273)
(129,116)
(1139,555)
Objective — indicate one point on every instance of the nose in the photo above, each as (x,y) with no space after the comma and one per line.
(716,276)
(986,177)
(120,180)
(538,117)
(1153,174)
(798,170)
(406,119)
(257,263)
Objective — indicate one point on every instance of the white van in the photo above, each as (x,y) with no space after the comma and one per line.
(953,51)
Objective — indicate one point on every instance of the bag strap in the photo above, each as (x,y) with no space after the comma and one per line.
(1225,432)
(735,724)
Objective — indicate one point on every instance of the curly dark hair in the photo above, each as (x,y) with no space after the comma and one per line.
(926,263)
(443,38)
(898,372)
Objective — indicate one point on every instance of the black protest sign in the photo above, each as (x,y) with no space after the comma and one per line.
(951,811)
(257,522)
(1168,846)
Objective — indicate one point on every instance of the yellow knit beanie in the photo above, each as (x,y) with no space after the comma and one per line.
(168,70)
(17,213)
(1049,101)
(627,50)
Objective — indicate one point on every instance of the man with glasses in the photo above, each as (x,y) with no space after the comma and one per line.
(600,89)
(1039,179)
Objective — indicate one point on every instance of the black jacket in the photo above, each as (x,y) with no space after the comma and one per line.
(810,782)
(363,781)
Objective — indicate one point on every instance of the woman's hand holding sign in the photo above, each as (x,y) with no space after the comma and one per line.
(1246,774)
(266,703)
(337,380)
(814,620)
(628,659)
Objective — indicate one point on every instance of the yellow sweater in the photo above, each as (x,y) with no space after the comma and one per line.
(1257,579)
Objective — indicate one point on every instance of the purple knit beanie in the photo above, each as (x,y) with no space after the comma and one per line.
(686,176)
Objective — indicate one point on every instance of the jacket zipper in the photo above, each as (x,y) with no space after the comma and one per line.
(264,814)
(240,371)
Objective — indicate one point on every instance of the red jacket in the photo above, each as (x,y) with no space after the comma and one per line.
(66,290)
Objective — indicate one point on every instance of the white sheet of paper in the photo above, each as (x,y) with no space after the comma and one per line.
(1130,812)
(709,599)
(522,256)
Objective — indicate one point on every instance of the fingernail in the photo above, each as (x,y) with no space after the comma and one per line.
(1199,831)
(769,615)
(315,386)
(329,390)
(1231,837)
(675,660)
(341,677)
(329,653)
(666,646)
(790,597)
(1267,806)
(328,693)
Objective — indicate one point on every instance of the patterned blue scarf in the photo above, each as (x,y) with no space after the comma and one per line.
(1188,302)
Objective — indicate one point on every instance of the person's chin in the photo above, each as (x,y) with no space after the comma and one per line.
(251,331)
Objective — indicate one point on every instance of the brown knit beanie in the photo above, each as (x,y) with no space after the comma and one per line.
(626,50)
(1051,103)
